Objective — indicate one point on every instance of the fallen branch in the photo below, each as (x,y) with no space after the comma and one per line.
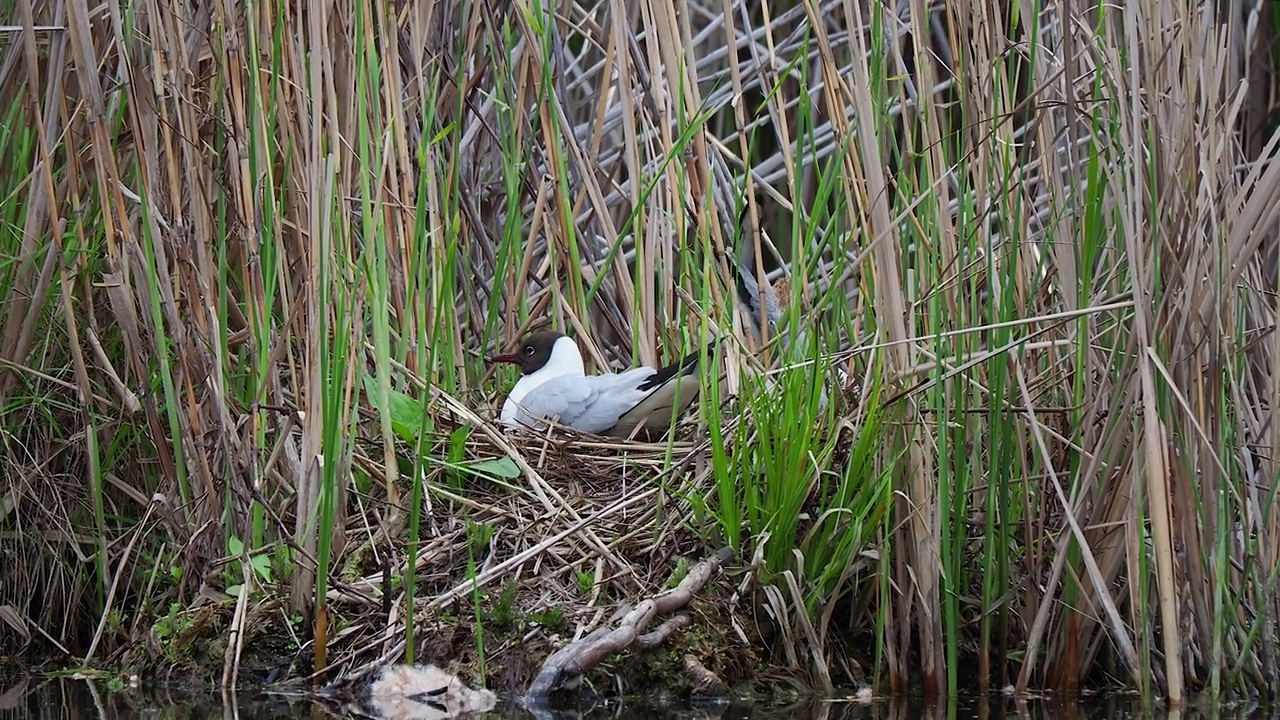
(579,657)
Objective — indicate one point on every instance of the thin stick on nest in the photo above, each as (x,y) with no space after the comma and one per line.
(579,657)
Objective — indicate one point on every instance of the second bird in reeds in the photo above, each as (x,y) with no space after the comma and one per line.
(554,386)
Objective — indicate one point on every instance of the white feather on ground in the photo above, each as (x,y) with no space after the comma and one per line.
(425,692)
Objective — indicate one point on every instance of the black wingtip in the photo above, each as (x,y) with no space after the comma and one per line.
(681,367)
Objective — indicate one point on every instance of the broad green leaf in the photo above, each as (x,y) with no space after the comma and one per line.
(406,411)
(503,467)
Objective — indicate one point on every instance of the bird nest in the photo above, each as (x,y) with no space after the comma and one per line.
(538,537)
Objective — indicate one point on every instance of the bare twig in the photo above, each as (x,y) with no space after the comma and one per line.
(579,657)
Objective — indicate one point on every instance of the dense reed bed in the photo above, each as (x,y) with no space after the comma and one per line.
(1008,422)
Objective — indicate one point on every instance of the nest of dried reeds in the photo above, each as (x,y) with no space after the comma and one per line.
(587,526)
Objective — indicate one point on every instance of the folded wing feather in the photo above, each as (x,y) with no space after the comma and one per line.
(591,403)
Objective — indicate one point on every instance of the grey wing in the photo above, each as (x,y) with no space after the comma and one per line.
(559,400)
(612,396)
(589,404)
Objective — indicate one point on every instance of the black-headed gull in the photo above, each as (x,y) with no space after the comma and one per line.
(554,386)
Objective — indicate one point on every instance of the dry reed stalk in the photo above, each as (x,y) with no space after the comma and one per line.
(917,506)
(214,182)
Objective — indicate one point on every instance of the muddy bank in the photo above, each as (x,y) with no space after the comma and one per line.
(506,566)
(690,635)
(506,649)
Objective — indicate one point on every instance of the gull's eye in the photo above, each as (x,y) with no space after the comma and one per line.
(528,350)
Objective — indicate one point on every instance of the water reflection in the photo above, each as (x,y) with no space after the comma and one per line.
(33,698)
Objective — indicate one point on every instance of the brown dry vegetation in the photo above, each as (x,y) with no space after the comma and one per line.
(1040,237)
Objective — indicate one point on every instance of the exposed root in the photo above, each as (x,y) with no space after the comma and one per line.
(579,657)
(660,634)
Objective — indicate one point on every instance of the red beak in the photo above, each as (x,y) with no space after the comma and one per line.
(505,358)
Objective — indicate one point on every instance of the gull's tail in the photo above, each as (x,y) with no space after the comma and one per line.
(671,389)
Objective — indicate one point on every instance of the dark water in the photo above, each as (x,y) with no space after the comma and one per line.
(34,698)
